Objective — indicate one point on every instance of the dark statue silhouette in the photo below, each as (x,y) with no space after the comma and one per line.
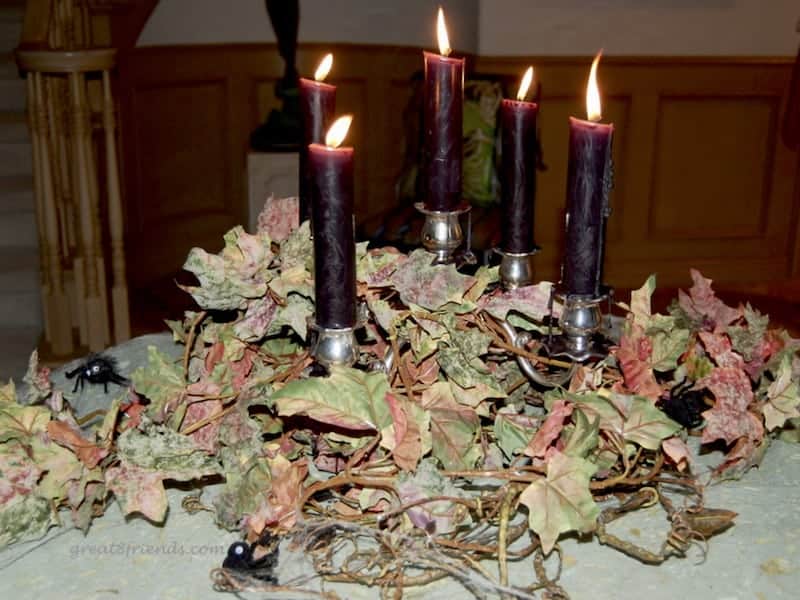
(283,129)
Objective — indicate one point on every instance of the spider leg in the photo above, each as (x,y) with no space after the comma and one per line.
(71,374)
(77,381)
(118,379)
(105,387)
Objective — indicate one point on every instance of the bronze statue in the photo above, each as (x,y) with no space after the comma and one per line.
(283,128)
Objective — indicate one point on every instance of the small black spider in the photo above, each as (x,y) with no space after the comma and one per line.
(97,369)
(685,405)
(240,558)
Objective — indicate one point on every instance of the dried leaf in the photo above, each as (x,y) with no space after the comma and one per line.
(22,422)
(562,501)
(18,474)
(440,517)
(703,306)
(279,509)
(172,455)
(257,319)
(646,425)
(279,217)
(238,273)
(38,380)
(729,419)
(138,491)
(454,428)
(404,436)
(89,453)
(30,518)
(531,301)
(677,452)
(377,266)
(161,381)
(582,437)
(783,398)
(634,354)
(550,430)
(718,346)
(430,286)
(348,398)
(514,431)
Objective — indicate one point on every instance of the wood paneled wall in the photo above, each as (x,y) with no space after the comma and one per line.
(702,178)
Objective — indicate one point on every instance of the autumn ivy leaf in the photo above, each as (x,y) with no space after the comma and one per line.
(640,302)
(609,415)
(65,435)
(729,419)
(384,314)
(377,266)
(19,474)
(297,249)
(295,314)
(702,305)
(646,425)
(484,277)
(747,338)
(513,431)
(235,275)
(159,448)
(295,280)
(634,354)
(531,301)
(30,518)
(404,437)
(257,319)
(562,501)
(718,346)
(677,452)
(427,285)
(669,342)
(583,436)
(454,428)
(59,465)
(468,373)
(8,393)
(440,517)
(247,476)
(138,491)
(278,507)
(22,422)
(38,380)
(279,217)
(557,415)
(783,398)
(161,381)
(348,398)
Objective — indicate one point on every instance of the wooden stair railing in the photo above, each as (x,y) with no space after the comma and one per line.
(69,98)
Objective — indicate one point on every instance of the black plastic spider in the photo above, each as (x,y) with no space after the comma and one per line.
(97,369)
(685,405)
(240,558)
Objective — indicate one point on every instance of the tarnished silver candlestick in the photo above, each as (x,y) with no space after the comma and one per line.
(516,268)
(581,319)
(442,233)
(336,346)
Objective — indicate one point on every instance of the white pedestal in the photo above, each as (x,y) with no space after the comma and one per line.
(269,173)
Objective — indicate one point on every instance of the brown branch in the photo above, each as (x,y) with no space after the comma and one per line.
(187,353)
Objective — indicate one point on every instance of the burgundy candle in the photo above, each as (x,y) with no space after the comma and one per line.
(518,170)
(587,175)
(442,149)
(317,102)
(334,239)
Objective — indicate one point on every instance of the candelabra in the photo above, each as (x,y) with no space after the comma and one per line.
(442,233)
(516,268)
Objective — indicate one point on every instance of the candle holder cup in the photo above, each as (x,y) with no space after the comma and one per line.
(516,268)
(581,320)
(442,233)
(336,346)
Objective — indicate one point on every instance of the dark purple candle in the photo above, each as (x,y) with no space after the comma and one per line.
(318,103)
(334,239)
(588,176)
(443,124)
(518,171)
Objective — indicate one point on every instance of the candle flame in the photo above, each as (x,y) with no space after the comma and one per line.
(441,32)
(324,68)
(525,84)
(593,110)
(338,131)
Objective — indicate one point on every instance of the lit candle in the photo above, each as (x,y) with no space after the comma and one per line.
(518,169)
(588,174)
(334,239)
(444,99)
(318,103)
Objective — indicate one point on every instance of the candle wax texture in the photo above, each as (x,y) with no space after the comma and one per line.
(334,238)
(589,164)
(443,125)
(518,175)
(318,104)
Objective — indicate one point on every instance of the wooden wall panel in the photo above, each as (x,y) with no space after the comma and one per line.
(701,177)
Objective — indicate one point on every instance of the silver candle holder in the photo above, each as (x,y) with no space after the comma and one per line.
(336,346)
(442,233)
(516,268)
(581,319)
